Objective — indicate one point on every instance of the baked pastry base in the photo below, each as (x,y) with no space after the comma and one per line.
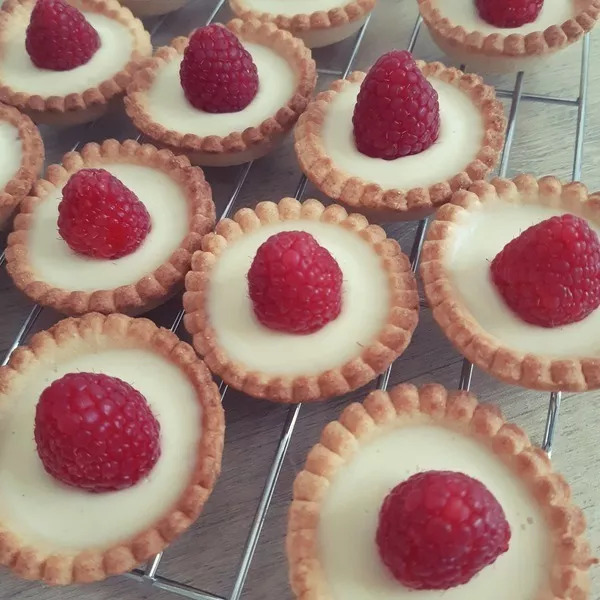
(95,331)
(459,411)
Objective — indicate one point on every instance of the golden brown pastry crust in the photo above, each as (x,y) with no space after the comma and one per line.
(516,45)
(468,336)
(393,339)
(95,97)
(459,411)
(32,160)
(366,196)
(152,289)
(236,142)
(301,23)
(95,332)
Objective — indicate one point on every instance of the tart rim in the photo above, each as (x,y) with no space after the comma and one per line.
(391,341)
(32,158)
(514,45)
(359,193)
(94,565)
(528,370)
(300,23)
(94,96)
(152,288)
(341,439)
(293,50)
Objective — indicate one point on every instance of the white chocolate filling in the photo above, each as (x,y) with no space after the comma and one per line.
(11,153)
(56,264)
(350,513)
(464,13)
(20,74)
(166,103)
(478,238)
(365,305)
(459,141)
(58,518)
(289,8)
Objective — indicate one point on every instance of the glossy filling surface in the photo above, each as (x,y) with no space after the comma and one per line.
(459,141)
(55,263)
(11,153)
(476,240)
(350,511)
(20,74)
(56,517)
(166,103)
(365,305)
(289,9)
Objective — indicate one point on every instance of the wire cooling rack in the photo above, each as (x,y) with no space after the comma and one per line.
(150,575)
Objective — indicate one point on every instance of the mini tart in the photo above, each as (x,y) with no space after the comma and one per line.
(287,367)
(498,50)
(244,142)
(331,21)
(78,284)
(21,159)
(388,202)
(46,97)
(67,545)
(151,8)
(367,432)
(492,337)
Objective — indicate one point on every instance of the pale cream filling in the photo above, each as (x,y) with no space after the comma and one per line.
(56,264)
(350,512)
(459,141)
(290,8)
(166,103)
(478,238)
(11,153)
(464,13)
(20,74)
(55,517)
(365,305)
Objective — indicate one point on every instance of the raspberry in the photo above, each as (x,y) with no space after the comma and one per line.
(438,529)
(509,13)
(550,274)
(100,217)
(95,432)
(58,36)
(217,73)
(295,285)
(397,111)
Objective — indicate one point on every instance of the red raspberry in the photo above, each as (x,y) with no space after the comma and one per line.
(100,217)
(217,73)
(58,36)
(550,274)
(295,285)
(397,111)
(95,432)
(438,529)
(509,13)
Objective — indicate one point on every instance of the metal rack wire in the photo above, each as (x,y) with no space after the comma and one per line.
(149,574)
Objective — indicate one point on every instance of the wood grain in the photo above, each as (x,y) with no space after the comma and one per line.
(208,555)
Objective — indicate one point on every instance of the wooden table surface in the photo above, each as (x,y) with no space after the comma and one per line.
(208,555)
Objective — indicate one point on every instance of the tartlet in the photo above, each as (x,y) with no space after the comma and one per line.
(181,210)
(64,544)
(230,138)
(373,329)
(389,199)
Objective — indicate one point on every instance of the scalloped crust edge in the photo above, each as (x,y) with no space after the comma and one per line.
(153,288)
(372,199)
(392,340)
(341,440)
(470,339)
(71,107)
(32,161)
(120,331)
(225,149)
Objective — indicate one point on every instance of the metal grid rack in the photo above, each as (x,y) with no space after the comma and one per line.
(149,575)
